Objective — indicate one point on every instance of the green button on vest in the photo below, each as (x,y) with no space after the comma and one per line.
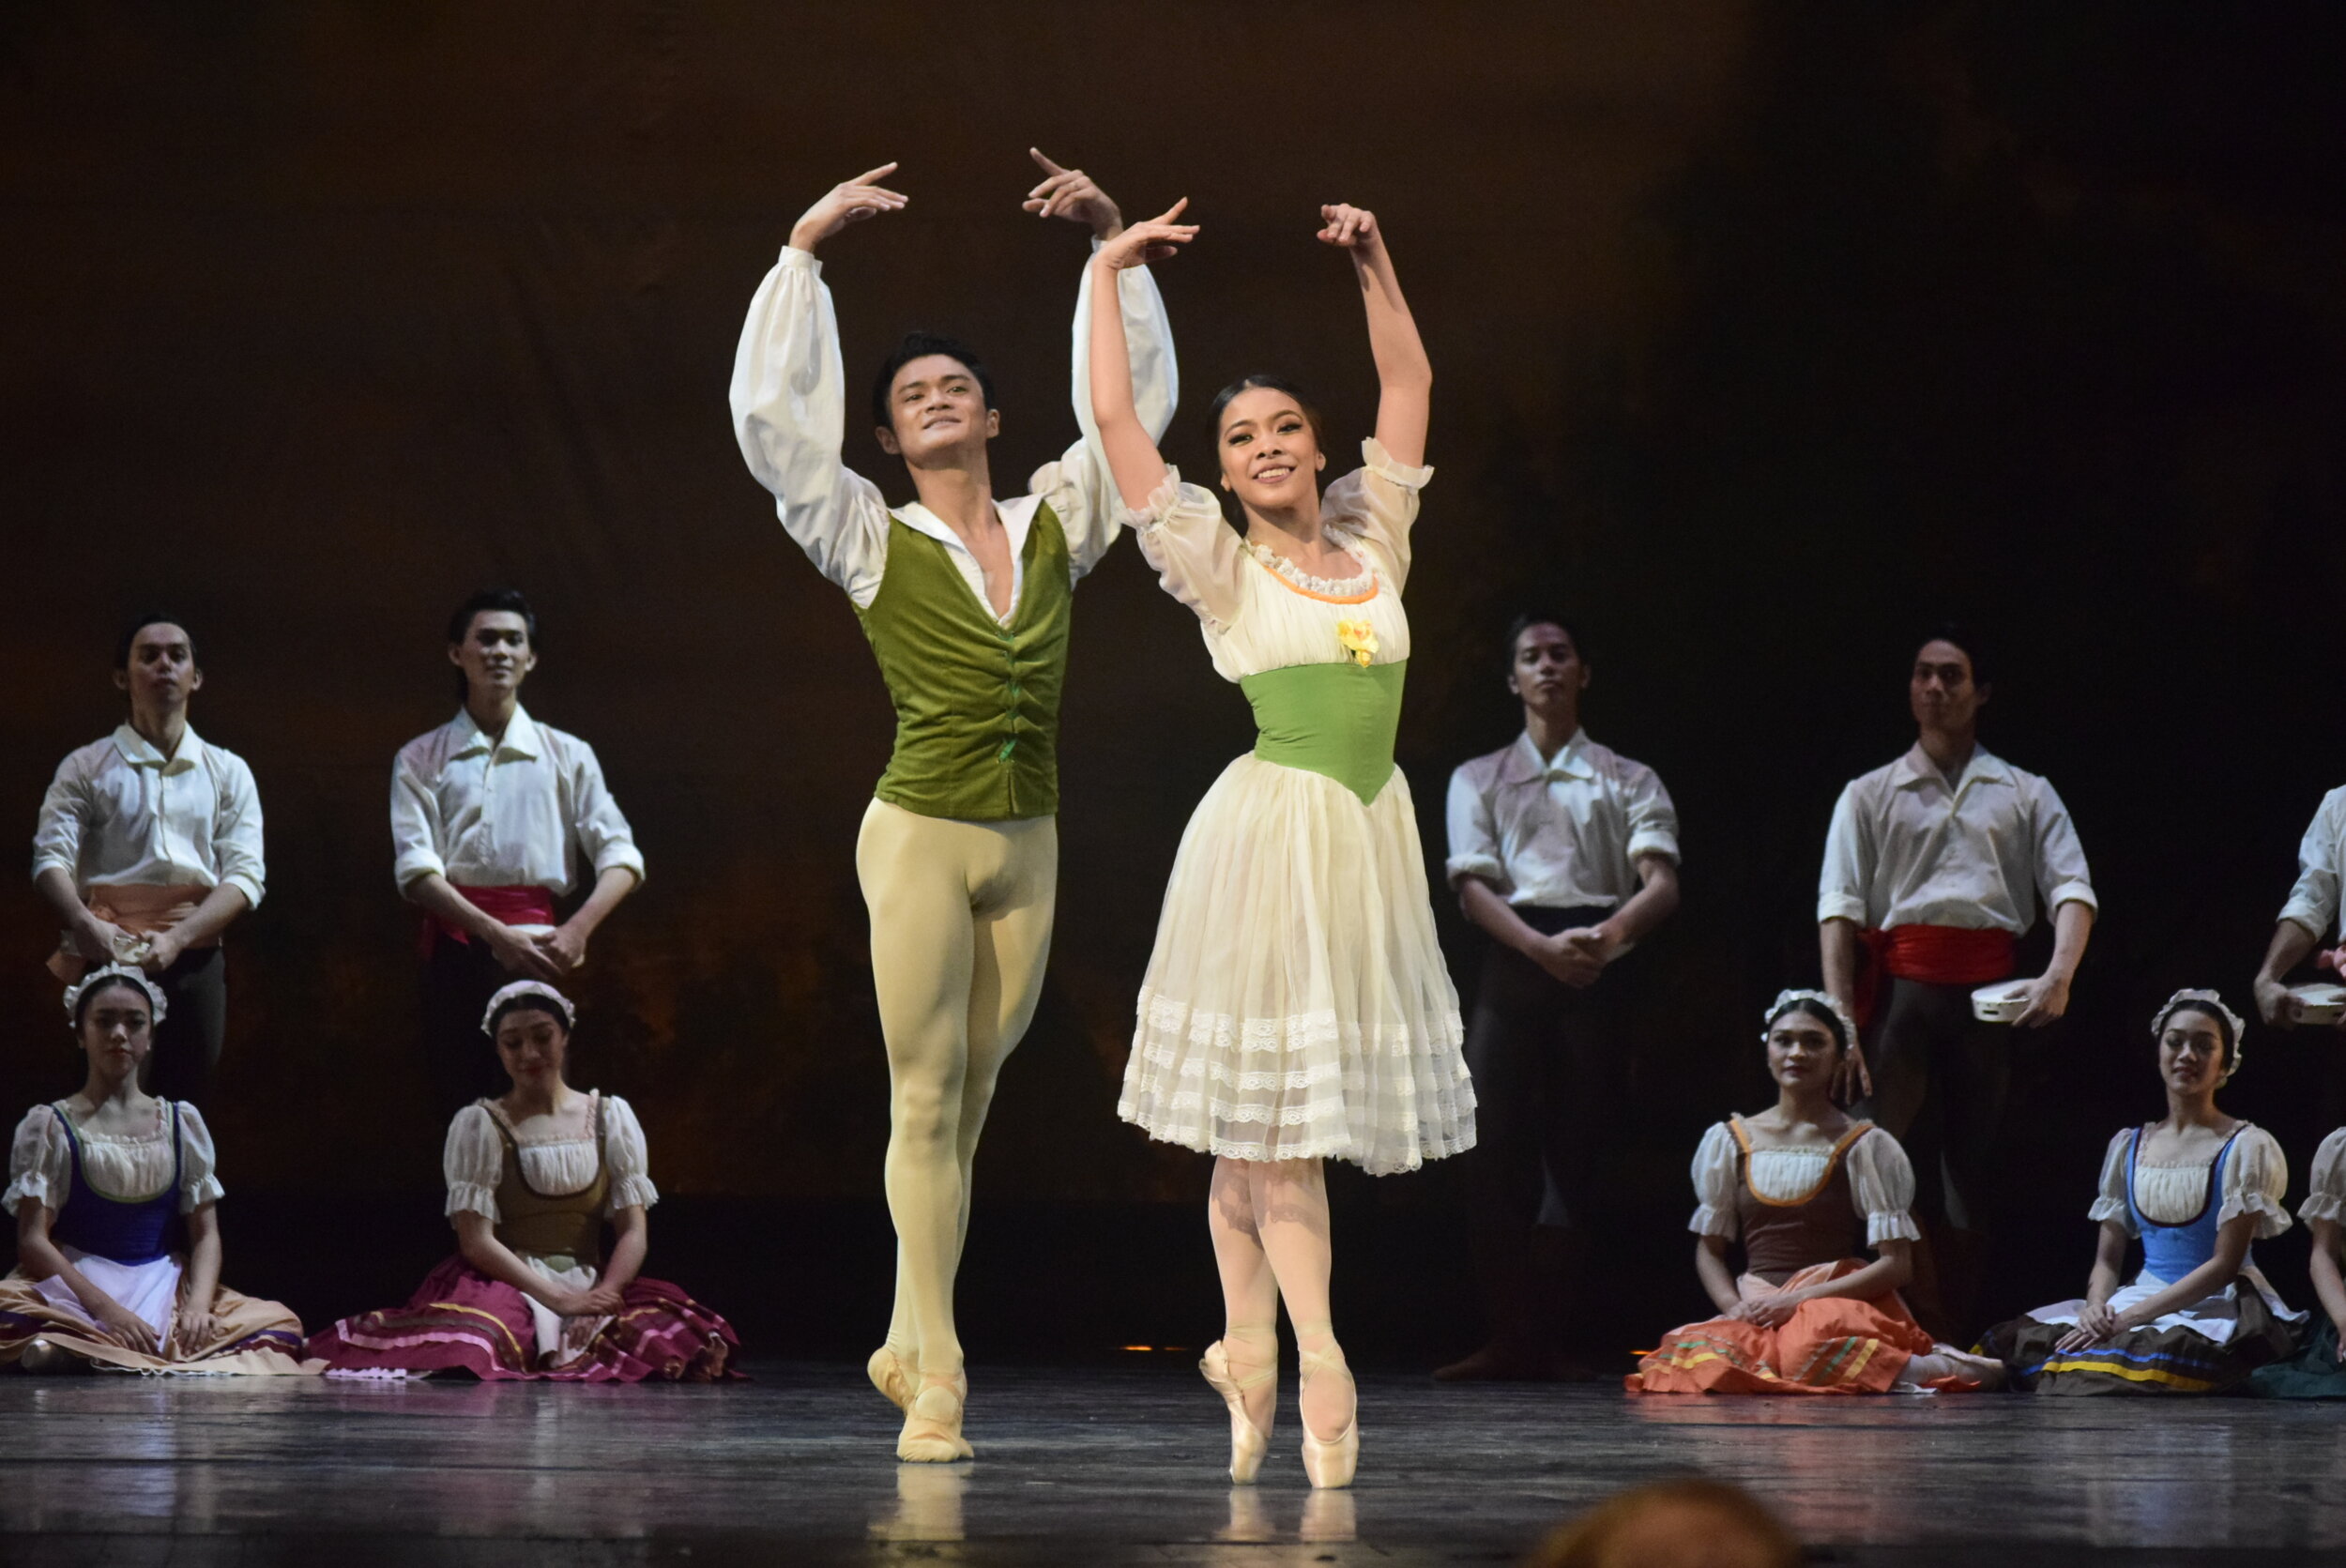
(977,702)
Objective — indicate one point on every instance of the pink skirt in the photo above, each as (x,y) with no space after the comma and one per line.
(461,1320)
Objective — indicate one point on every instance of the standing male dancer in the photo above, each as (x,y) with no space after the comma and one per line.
(149,846)
(966,602)
(490,815)
(1933,865)
(1566,853)
(2313,910)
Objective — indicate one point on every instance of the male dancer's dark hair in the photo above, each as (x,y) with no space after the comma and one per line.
(152,617)
(920,345)
(512,600)
(1531,618)
(1975,647)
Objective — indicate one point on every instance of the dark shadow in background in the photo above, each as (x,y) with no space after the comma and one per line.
(1763,330)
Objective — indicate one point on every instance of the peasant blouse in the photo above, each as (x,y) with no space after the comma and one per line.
(2255,1179)
(132,1167)
(1882,1181)
(554,1161)
(2327,1200)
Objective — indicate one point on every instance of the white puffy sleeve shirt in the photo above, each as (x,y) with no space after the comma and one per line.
(120,813)
(1882,1181)
(131,1166)
(1560,832)
(790,405)
(524,810)
(473,1160)
(2256,1180)
(2326,1201)
(1905,848)
(2314,902)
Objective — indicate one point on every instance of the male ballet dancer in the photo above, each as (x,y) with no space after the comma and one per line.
(149,847)
(491,816)
(966,602)
(1933,865)
(1566,852)
(2313,910)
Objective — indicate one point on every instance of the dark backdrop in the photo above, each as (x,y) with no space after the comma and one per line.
(1763,332)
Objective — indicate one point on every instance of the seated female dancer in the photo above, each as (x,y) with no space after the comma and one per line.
(2318,1371)
(1807,1189)
(2198,1187)
(117,1245)
(531,1179)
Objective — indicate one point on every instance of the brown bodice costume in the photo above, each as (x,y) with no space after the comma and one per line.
(556,1228)
(1783,1237)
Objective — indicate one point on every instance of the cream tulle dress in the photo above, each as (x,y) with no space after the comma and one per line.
(1296,1005)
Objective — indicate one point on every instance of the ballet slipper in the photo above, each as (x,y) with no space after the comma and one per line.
(889,1374)
(932,1430)
(1248,1442)
(1329,1462)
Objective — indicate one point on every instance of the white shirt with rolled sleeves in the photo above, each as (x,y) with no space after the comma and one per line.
(789,400)
(1562,832)
(120,813)
(2314,902)
(1906,849)
(522,812)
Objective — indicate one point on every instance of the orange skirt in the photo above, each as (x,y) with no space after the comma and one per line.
(1830,1344)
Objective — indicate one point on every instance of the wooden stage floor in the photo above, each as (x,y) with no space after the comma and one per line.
(1112,1465)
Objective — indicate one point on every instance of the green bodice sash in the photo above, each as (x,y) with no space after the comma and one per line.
(1339,720)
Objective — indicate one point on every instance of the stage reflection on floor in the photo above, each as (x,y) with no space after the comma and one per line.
(1111,1464)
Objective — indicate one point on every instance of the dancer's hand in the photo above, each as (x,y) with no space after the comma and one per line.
(1071,194)
(2048,1000)
(565,946)
(1853,1080)
(162,951)
(602,1301)
(125,1328)
(1567,960)
(2097,1325)
(194,1327)
(848,201)
(519,953)
(2273,1003)
(95,939)
(1349,227)
(1767,1312)
(1150,240)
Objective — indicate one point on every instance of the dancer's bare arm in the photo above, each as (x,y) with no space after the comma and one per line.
(1133,461)
(1404,377)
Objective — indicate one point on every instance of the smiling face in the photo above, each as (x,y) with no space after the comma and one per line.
(2191,1052)
(160,673)
(937,407)
(496,655)
(1941,690)
(1802,1051)
(117,1029)
(532,1043)
(1271,456)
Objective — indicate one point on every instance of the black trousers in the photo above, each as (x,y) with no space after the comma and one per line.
(195,1023)
(1544,1065)
(1940,1078)
(460,1062)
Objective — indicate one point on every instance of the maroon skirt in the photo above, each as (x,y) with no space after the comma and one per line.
(461,1320)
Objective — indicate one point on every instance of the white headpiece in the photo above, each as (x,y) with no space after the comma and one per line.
(2213,1003)
(528,988)
(107,976)
(1786,998)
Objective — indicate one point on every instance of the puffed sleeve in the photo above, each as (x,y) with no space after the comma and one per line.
(602,828)
(237,833)
(1882,1179)
(1652,815)
(199,1174)
(2313,902)
(2327,1200)
(2110,1204)
(2062,876)
(1197,556)
(2256,1179)
(40,1161)
(66,809)
(1714,1184)
(1473,833)
(473,1162)
(626,1158)
(1846,876)
(1380,500)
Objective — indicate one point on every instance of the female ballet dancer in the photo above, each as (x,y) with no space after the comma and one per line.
(2198,1187)
(1296,1007)
(532,1177)
(117,1242)
(2318,1370)
(1807,1189)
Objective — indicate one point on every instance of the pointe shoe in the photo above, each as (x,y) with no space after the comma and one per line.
(932,1430)
(1248,1442)
(1328,1462)
(890,1375)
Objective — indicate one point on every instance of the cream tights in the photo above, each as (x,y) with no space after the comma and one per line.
(961,927)
(1269,1220)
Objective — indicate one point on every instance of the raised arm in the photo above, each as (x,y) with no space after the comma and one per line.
(790,399)
(1404,377)
(1126,443)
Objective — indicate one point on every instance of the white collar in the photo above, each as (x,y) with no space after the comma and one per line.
(1524,764)
(1017,516)
(1915,767)
(520,739)
(141,753)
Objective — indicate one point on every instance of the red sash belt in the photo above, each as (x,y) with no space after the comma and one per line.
(506,905)
(1933,954)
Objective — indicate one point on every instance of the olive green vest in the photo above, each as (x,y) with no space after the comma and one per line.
(977,702)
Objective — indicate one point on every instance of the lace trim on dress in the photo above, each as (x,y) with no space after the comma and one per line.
(1150,514)
(1357,589)
(1169,1017)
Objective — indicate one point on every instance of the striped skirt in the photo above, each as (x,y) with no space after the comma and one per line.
(2210,1347)
(1830,1344)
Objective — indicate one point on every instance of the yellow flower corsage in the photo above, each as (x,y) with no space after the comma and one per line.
(1359,639)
